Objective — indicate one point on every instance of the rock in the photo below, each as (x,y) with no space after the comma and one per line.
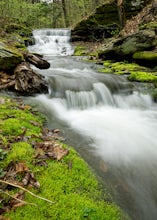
(104,22)
(123,48)
(146,58)
(9,57)
(19,29)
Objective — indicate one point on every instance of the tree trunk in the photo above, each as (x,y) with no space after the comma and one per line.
(121,13)
(65,13)
(36,60)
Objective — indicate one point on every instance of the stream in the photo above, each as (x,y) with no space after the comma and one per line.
(109,122)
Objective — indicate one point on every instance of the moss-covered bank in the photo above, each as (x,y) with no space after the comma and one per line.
(68,182)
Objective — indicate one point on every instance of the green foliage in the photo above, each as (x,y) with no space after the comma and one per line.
(38,15)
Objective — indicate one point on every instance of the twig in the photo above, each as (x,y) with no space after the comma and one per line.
(24,202)
(20,187)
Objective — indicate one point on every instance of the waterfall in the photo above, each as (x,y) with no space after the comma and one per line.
(52,41)
(118,122)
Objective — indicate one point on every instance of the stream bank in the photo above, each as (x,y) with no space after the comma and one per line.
(34,157)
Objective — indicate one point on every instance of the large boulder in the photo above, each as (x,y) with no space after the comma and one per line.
(104,22)
(124,48)
(9,57)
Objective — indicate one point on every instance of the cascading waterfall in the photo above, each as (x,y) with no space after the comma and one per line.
(52,41)
(119,122)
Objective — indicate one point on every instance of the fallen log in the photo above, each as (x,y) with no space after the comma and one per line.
(27,81)
(36,60)
(7,85)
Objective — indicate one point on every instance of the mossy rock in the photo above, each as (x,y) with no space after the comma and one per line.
(147,58)
(10,57)
(19,29)
(80,51)
(143,77)
(123,48)
(104,22)
(120,68)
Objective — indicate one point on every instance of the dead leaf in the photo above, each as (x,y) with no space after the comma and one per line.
(49,149)
(21,167)
(35,123)
(60,152)
(56,130)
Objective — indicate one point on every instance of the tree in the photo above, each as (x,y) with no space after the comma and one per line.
(121,13)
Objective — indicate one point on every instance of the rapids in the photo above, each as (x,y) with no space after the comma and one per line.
(117,122)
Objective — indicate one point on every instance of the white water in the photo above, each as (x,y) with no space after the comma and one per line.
(48,42)
(121,126)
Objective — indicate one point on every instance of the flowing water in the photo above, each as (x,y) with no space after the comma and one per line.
(112,124)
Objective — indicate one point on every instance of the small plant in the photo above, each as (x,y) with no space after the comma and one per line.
(2,154)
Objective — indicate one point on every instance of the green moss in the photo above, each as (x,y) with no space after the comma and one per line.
(108,63)
(15,121)
(73,188)
(80,51)
(10,57)
(120,68)
(105,70)
(19,29)
(145,55)
(14,126)
(20,151)
(142,77)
